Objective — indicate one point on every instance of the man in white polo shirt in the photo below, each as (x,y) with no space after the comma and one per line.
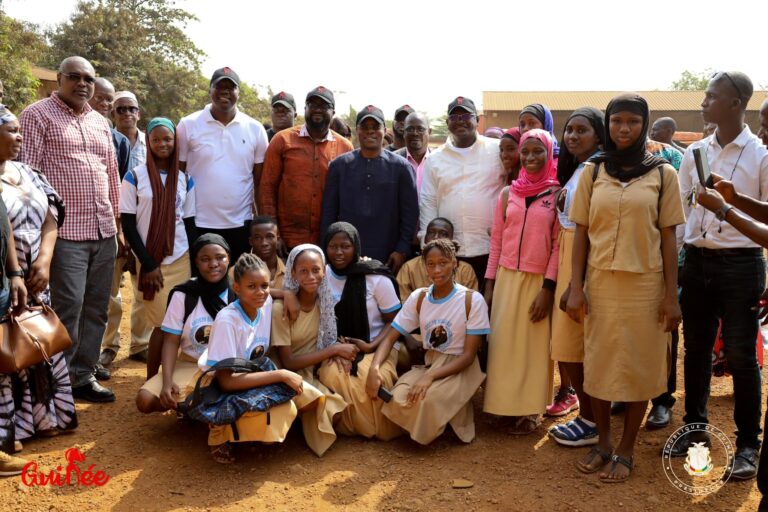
(222,149)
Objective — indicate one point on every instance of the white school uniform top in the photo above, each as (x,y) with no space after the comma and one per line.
(380,297)
(136,199)
(195,331)
(443,322)
(221,158)
(235,335)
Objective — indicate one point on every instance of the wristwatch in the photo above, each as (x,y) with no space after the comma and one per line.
(720,213)
(15,273)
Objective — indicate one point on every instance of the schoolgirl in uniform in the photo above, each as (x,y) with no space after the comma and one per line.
(453,320)
(366,302)
(309,341)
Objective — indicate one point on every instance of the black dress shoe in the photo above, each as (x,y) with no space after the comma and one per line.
(93,392)
(140,356)
(745,464)
(107,356)
(101,373)
(680,448)
(658,417)
(618,408)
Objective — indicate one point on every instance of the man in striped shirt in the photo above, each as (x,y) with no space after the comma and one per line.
(72,145)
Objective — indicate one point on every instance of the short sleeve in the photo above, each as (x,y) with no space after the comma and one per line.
(408,319)
(583,197)
(465,276)
(189,202)
(385,295)
(478,322)
(181,137)
(281,329)
(173,322)
(222,343)
(128,194)
(262,141)
(671,205)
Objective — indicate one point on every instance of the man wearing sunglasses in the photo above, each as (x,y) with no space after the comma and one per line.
(125,115)
(724,271)
(72,145)
(462,181)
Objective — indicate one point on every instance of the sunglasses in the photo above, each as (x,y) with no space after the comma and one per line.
(126,110)
(718,74)
(455,118)
(77,77)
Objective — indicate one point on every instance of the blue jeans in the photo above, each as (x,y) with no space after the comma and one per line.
(723,284)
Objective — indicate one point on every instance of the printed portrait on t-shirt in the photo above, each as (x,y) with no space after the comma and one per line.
(202,334)
(439,334)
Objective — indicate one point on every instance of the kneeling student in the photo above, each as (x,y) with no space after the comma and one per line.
(453,320)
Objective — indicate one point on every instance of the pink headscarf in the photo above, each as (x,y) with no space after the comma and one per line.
(527,185)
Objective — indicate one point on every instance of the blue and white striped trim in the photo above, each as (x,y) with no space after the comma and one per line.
(170,331)
(479,332)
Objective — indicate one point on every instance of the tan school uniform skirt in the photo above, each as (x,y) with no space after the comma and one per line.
(448,401)
(185,375)
(363,416)
(174,274)
(567,335)
(318,406)
(626,351)
(520,370)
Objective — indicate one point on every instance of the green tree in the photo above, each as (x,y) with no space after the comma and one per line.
(440,126)
(20,46)
(692,81)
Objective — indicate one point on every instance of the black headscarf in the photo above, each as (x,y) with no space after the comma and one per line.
(636,158)
(544,115)
(208,293)
(351,310)
(567,163)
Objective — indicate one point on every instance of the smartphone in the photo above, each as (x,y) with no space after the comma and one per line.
(702,167)
(384,394)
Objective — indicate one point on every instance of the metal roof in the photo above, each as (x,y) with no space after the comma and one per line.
(571,100)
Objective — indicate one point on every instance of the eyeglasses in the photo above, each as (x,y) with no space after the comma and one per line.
(463,118)
(416,129)
(126,110)
(77,77)
(718,74)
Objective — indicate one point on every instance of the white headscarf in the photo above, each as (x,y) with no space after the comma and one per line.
(326,332)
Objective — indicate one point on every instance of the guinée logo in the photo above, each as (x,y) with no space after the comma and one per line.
(72,474)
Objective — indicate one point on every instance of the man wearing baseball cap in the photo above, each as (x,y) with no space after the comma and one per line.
(222,149)
(373,190)
(462,181)
(283,113)
(398,127)
(296,167)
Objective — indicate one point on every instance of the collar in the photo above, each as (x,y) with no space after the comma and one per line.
(449,144)
(210,119)
(60,103)
(444,299)
(409,157)
(740,141)
(280,268)
(245,316)
(328,136)
(142,138)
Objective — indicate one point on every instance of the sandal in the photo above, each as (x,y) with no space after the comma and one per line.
(525,425)
(593,453)
(628,463)
(222,453)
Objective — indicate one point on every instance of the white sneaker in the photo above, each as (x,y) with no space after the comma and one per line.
(10,465)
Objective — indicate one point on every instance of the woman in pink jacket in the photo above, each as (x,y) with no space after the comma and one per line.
(519,288)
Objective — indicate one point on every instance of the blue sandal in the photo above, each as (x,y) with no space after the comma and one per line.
(575,433)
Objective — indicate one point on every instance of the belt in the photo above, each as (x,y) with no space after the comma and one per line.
(737,251)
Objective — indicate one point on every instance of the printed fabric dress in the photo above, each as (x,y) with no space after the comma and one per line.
(36,400)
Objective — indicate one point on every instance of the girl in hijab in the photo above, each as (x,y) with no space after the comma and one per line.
(539,116)
(509,150)
(309,341)
(157,212)
(583,136)
(192,307)
(624,279)
(366,299)
(520,286)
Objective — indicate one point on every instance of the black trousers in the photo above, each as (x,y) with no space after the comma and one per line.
(237,238)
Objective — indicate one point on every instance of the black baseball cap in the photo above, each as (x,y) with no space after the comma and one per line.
(405,108)
(285,99)
(372,112)
(323,93)
(462,102)
(225,73)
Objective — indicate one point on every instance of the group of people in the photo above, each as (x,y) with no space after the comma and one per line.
(413,276)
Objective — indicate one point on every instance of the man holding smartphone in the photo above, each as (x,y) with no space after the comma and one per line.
(724,271)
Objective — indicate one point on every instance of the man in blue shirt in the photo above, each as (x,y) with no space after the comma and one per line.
(373,190)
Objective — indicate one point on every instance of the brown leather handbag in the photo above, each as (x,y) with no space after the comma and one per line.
(30,338)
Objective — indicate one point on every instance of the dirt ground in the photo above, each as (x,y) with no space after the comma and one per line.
(158,463)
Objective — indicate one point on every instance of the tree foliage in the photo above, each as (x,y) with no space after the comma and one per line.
(692,81)
(20,47)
